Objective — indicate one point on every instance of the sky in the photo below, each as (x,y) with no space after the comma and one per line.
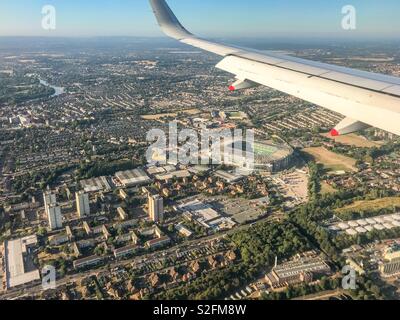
(213,18)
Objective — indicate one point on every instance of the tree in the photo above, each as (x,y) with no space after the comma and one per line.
(42,232)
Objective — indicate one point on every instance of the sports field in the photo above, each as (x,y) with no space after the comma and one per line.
(264,149)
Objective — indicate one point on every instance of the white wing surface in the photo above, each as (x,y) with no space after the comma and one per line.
(364,98)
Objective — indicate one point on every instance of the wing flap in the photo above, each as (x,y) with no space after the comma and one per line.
(395,90)
(310,70)
(347,126)
(357,81)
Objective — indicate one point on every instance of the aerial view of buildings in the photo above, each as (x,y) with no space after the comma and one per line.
(81,196)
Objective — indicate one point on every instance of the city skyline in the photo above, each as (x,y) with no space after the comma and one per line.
(261,19)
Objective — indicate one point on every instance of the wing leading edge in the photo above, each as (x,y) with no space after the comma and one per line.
(368,98)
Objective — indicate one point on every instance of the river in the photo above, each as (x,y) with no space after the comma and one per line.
(58,90)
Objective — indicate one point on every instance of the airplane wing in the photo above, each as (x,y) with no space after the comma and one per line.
(364,98)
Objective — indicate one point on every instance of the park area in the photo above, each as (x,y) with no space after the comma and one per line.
(371,205)
(169,115)
(331,161)
(354,140)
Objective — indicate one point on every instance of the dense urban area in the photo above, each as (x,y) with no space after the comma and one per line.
(79,197)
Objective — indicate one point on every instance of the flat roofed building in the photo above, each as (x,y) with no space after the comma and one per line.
(106,233)
(343,226)
(87,262)
(69,232)
(135,238)
(362,223)
(392,252)
(351,232)
(58,239)
(125,251)
(95,185)
(198,169)
(82,204)
(54,217)
(222,223)
(126,224)
(369,228)
(388,226)
(396,216)
(379,227)
(132,178)
(157,243)
(157,232)
(49,198)
(228,177)
(379,220)
(156,208)
(200,212)
(296,271)
(87,228)
(19,267)
(367,225)
(389,218)
(52,210)
(390,269)
(155,170)
(353,224)
(123,238)
(396,224)
(123,194)
(361,230)
(183,230)
(122,214)
(76,249)
(173,175)
(86,243)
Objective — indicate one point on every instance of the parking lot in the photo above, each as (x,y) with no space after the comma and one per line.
(293,186)
(239,209)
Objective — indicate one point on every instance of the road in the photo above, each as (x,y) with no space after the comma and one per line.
(322,295)
(15,294)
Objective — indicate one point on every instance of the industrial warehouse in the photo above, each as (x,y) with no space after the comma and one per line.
(18,262)
(303,268)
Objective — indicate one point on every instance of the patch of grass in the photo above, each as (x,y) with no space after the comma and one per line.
(371,205)
(331,161)
(326,188)
(354,140)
